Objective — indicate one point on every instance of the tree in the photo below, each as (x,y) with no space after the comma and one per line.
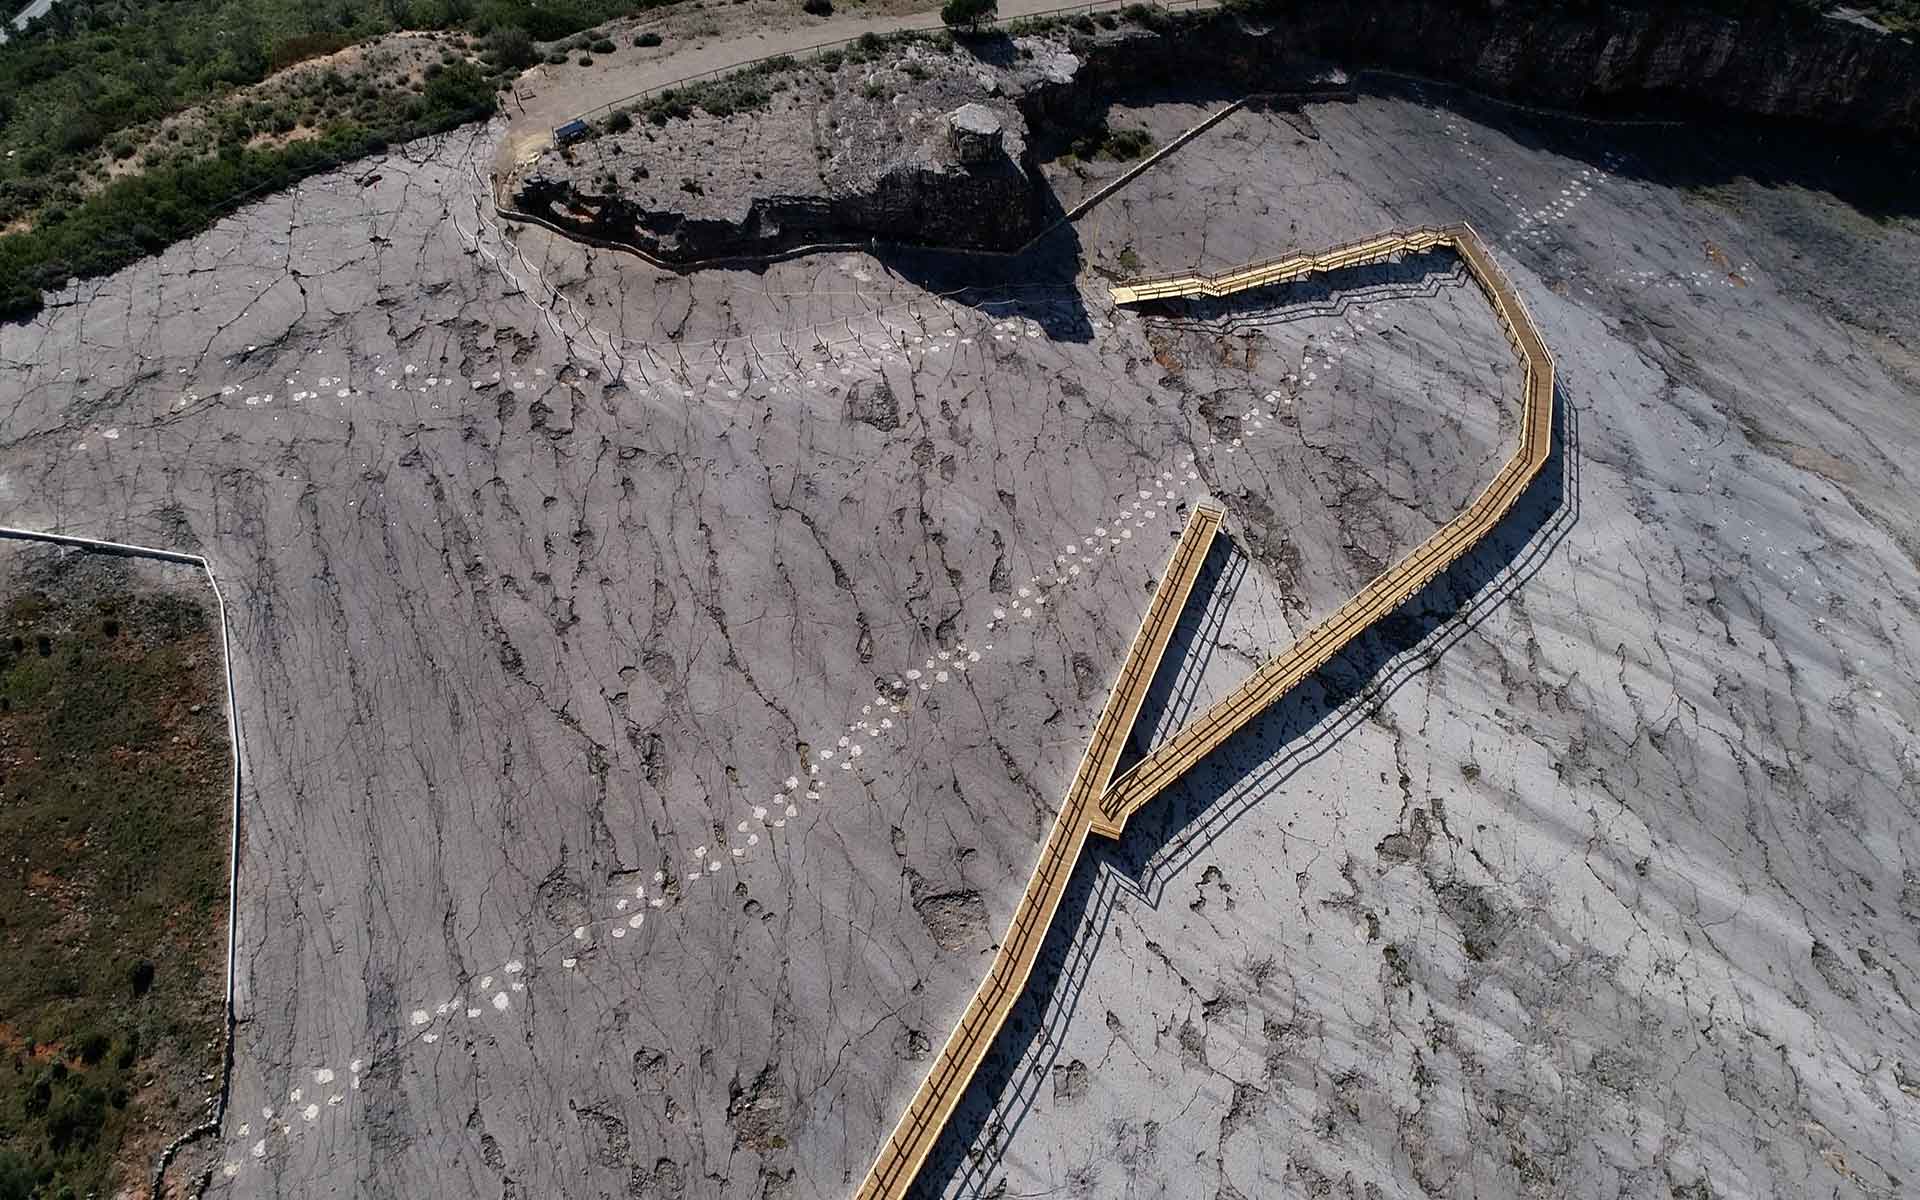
(513,48)
(970,13)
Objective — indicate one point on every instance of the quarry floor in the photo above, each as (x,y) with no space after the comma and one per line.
(653,689)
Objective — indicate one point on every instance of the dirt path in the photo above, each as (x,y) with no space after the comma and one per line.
(548,95)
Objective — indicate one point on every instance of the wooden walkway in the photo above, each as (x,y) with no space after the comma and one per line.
(899,1162)
(1397,584)
(1098,803)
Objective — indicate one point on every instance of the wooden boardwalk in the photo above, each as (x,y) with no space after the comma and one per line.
(1098,803)
(1397,584)
(899,1162)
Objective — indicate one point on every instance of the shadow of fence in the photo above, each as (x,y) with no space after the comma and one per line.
(1165,838)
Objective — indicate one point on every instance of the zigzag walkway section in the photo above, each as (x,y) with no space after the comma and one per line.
(900,1159)
(1098,803)
(1398,583)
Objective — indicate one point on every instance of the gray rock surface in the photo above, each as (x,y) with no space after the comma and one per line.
(859,149)
(557,581)
(976,133)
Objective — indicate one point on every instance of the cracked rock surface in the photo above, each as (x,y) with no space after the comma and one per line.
(863,149)
(1589,873)
(653,689)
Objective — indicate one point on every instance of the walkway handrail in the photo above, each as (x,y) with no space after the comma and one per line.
(906,1149)
(954,1067)
(1393,587)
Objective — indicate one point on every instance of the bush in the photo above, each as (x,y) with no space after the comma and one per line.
(817,8)
(601,46)
(135,215)
(1122,144)
(557,58)
(512,49)
(619,121)
(1129,144)
(75,1120)
(585,60)
(649,38)
(969,13)
(93,1047)
(1148,16)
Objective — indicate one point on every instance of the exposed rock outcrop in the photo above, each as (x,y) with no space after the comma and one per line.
(933,145)
(923,145)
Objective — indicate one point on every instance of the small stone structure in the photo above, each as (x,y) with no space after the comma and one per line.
(974,131)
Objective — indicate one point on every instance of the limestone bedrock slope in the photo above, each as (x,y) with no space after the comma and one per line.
(557,582)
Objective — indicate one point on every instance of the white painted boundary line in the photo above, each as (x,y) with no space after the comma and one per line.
(131,550)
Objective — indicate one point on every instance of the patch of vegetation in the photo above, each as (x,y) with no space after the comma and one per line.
(91,82)
(1149,16)
(1123,145)
(649,38)
(742,91)
(817,8)
(113,874)
(968,14)
(172,199)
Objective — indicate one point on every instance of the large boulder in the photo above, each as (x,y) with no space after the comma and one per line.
(975,132)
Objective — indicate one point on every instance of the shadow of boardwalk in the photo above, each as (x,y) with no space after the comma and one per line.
(1166,836)
(1420,276)
(1172,691)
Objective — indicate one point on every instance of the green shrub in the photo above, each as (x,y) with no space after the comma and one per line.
(601,46)
(619,121)
(140,214)
(1122,144)
(649,38)
(93,1046)
(1129,144)
(512,49)
(817,8)
(968,13)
